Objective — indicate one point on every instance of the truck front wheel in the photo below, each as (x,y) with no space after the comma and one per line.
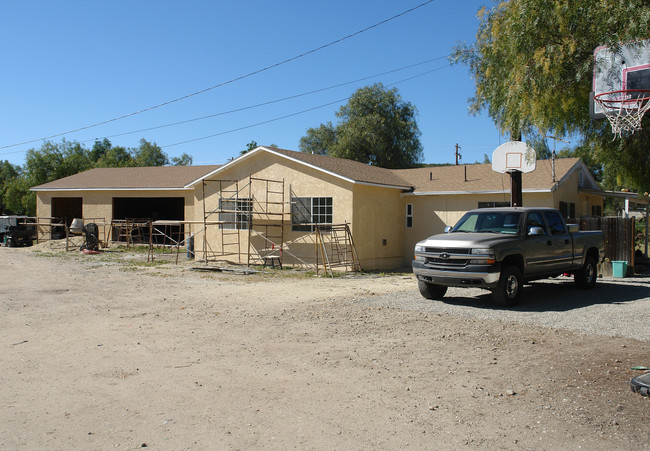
(586,276)
(508,291)
(431,290)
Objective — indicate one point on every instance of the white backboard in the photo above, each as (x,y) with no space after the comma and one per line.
(514,156)
(617,69)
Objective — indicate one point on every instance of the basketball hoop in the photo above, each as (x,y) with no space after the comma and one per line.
(624,109)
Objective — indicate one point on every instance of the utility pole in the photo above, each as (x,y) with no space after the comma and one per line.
(458,155)
(555,139)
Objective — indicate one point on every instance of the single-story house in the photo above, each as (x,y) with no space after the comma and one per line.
(273,198)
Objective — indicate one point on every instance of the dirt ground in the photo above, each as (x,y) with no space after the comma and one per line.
(101,352)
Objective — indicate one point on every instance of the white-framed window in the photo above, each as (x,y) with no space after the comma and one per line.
(493,204)
(409,216)
(235,213)
(307,211)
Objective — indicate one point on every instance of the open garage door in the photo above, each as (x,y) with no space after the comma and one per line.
(66,209)
(150,208)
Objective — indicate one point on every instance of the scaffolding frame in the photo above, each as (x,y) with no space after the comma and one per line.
(131,229)
(45,227)
(343,253)
(239,211)
(258,209)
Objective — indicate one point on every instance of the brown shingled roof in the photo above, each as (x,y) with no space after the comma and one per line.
(481,177)
(349,169)
(153,177)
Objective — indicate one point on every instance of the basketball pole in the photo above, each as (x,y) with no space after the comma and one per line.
(516,187)
(516,196)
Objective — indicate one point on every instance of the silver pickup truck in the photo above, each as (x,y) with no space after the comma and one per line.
(500,249)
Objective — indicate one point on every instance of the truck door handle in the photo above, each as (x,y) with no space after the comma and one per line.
(549,242)
(566,241)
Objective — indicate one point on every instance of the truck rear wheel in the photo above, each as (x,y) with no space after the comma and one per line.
(586,276)
(431,290)
(508,291)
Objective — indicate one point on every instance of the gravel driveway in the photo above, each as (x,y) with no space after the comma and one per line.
(615,307)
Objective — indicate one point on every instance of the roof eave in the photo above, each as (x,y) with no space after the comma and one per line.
(36,189)
(448,193)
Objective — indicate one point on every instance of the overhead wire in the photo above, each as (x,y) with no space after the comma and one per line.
(296,113)
(272,102)
(233,80)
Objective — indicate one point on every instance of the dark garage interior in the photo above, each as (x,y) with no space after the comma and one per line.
(151,208)
(65,208)
(155,208)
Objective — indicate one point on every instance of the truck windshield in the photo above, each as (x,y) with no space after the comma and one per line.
(488,222)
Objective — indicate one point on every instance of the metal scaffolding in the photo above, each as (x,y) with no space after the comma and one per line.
(250,216)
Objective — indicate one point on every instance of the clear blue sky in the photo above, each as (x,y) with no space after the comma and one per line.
(70,64)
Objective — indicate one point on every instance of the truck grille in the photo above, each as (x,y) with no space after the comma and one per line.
(447,258)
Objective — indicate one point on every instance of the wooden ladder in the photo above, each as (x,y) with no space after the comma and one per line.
(343,253)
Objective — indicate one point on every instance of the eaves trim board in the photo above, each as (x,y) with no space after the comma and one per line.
(447,193)
(109,189)
(278,154)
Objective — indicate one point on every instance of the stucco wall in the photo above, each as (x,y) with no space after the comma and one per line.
(252,175)
(97,205)
(568,192)
(378,226)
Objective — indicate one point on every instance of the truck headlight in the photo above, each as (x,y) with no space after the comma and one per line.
(486,257)
(417,250)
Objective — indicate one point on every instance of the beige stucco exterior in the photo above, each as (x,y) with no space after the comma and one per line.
(376,213)
(363,207)
(97,205)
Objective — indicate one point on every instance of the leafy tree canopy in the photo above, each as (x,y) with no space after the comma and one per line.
(376,127)
(57,160)
(532,63)
(182,160)
(319,140)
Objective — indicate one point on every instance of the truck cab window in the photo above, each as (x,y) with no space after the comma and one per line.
(535,220)
(555,223)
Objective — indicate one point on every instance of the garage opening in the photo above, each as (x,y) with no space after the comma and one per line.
(66,209)
(149,208)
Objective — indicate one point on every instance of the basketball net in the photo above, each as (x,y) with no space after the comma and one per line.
(624,109)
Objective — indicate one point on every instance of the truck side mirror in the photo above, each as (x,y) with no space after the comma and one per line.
(535,231)
(448,229)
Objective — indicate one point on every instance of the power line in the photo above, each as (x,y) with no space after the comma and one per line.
(241,77)
(270,102)
(275,101)
(292,114)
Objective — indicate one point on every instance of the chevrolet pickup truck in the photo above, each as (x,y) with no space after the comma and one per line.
(501,249)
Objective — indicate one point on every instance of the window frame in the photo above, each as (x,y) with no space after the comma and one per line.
(493,204)
(238,218)
(409,216)
(314,210)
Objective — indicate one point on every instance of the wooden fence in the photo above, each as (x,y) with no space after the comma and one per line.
(618,233)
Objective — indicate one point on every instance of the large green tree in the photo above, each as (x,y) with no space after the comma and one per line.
(149,154)
(8,173)
(319,140)
(532,63)
(376,127)
(57,160)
